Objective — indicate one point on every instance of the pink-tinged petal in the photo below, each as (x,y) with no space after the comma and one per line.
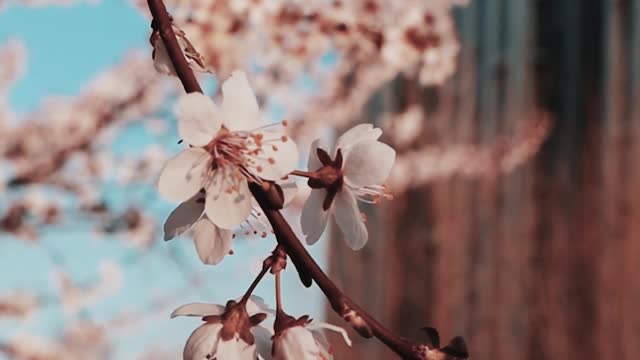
(212,243)
(349,220)
(183,175)
(235,349)
(198,310)
(289,191)
(295,343)
(239,103)
(358,133)
(184,216)
(199,119)
(368,163)
(313,163)
(314,218)
(202,342)
(274,156)
(228,201)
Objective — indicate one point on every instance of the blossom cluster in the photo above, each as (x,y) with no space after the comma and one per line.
(229,147)
(347,48)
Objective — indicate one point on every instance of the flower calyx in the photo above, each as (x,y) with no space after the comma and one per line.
(285,321)
(329,176)
(236,320)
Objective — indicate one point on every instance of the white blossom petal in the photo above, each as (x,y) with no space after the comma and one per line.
(368,163)
(183,175)
(313,163)
(349,220)
(212,243)
(235,349)
(314,218)
(239,103)
(201,342)
(256,304)
(356,134)
(184,216)
(296,343)
(228,201)
(263,335)
(198,118)
(198,309)
(274,157)
(289,191)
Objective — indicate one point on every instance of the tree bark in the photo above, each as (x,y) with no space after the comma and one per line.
(542,263)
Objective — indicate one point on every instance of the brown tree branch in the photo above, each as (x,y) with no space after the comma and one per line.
(364,323)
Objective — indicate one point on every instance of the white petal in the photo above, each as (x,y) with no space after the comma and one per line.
(368,163)
(198,118)
(275,157)
(212,242)
(296,343)
(314,218)
(256,304)
(349,220)
(313,163)
(239,103)
(263,335)
(289,191)
(356,134)
(183,175)
(184,216)
(201,342)
(235,349)
(322,325)
(228,199)
(198,309)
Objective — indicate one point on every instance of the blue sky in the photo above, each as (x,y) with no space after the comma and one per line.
(66,47)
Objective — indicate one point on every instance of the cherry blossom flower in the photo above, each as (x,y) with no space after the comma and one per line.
(230,146)
(359,167)
(212,242)
(304,340)
(229,333)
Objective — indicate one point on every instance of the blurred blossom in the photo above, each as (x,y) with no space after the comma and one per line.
(74,298)
(13,54)
(37,3)
(442,161)
(405,127)
(79,341)
(371,41)
(62,126)
(17,304)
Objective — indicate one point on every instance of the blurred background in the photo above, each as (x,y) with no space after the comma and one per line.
(516,209)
